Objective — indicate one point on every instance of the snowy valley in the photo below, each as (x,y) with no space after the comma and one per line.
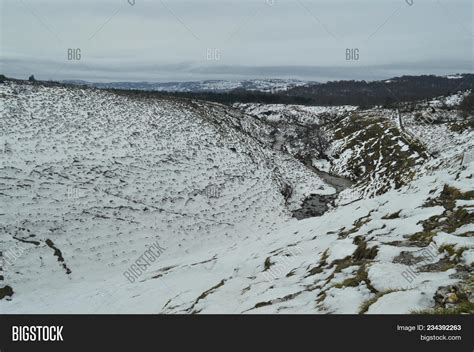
(255,208)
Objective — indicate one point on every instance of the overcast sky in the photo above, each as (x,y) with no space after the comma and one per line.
(176,40)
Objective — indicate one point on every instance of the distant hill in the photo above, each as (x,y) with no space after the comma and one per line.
(359,93)
(218,86)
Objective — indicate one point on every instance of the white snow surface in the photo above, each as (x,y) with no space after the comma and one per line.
(105,176)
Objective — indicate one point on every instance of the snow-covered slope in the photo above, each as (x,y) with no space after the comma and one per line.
(91,181)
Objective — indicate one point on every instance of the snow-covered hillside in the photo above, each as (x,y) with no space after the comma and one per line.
(93,182)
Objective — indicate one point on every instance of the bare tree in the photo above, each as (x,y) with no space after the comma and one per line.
(315,141)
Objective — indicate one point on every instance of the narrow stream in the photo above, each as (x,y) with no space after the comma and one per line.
(317,204)
(314,204)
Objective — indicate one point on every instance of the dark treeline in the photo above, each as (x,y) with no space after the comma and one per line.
(243,96)
(400,89)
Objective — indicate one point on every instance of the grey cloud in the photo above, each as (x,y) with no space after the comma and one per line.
(165,40)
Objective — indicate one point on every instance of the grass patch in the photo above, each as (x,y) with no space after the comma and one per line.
(392,216)
(6,291)
(343,263)
(262,304)
(355,226)
(267,264)
(452,251)
(321,297)
(362,252)
(461,127)
(372,139)
(364,307)
(322,263)
(458,218)
(452,218)
(462,308)
(361,277)
(423,238)
(448,197)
